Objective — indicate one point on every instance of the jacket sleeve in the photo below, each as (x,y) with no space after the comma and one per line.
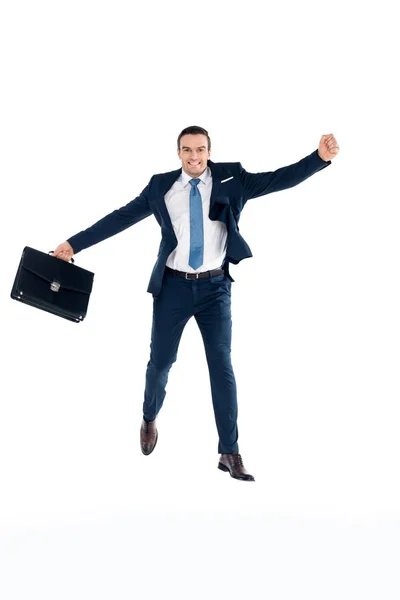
(259,184)
(115,222)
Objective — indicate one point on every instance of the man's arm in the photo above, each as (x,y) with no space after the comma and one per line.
(259,184)
(111,224)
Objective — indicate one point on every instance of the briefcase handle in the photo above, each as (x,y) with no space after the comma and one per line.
(51,252)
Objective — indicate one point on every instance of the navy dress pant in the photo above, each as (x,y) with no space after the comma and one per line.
(209,302)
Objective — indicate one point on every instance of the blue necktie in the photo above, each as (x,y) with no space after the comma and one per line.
(196,226)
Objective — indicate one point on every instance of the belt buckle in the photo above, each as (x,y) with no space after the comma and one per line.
(196,275)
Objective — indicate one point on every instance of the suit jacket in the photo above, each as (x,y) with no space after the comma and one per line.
(232,187)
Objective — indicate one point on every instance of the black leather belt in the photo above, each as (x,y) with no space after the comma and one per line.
(203,275)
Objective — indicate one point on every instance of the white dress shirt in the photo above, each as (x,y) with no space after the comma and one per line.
(177,200)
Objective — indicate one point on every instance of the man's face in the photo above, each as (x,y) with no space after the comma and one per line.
(194,153)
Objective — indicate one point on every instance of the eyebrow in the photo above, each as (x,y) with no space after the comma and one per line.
(190,148)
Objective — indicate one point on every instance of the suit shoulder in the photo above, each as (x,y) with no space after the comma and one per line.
(228,164)
(230,167)
(167,173)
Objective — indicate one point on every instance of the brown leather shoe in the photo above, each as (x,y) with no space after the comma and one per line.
(234,464)
(148,436)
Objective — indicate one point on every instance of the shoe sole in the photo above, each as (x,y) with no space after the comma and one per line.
(224,468)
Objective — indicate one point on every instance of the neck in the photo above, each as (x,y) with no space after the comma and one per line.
(194,176)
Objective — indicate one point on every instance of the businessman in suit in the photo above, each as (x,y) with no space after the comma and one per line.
(198,208)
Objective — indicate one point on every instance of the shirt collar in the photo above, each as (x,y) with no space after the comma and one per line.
(204,177)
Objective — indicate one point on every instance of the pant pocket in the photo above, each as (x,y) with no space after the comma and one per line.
(217,279)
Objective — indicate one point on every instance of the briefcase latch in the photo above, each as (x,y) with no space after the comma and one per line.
(55,286)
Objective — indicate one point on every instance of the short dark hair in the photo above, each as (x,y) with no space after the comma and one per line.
(194,130)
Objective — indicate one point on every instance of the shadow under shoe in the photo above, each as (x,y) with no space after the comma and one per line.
(233,463)
(148,436)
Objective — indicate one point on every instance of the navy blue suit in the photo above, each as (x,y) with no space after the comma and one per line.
(175,300)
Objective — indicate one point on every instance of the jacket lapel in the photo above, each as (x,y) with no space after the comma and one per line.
(217,203)
(167,182)
(216,181)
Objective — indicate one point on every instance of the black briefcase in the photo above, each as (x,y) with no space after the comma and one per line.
(52,284)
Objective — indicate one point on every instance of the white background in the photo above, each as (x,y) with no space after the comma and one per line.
(93,98)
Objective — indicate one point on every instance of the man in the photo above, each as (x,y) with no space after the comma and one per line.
(198,208)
